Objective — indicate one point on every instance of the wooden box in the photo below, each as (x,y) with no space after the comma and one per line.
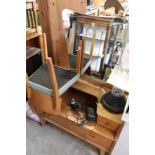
(108,120)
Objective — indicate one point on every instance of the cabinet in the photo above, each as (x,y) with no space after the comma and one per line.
(101,135)
(109,42)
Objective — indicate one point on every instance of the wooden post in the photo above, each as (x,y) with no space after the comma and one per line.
(27,87)
(78,57)
(69,40)
(43,46)
(43,9)
(92,46)
(53,83)
(82,54)
(51,25)
(51,19)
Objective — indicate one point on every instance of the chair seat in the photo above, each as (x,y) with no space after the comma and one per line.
(40,80)
(72,60)
(31,51)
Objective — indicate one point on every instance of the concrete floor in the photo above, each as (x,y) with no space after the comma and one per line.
(50,140)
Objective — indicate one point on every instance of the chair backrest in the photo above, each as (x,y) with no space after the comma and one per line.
(91,28)
(80,53)
(77,46)
(31,17)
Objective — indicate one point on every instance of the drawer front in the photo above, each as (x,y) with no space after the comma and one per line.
(81,132)
(98,139)
(102,121)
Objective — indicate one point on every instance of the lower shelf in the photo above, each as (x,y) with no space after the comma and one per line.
(93,136)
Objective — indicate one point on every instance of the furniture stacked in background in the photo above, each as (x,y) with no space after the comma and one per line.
(33,31)
(117,36)
(105,31)
(51,88)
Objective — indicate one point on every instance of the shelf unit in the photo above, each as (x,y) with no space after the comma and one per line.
(84,26)
(106,40)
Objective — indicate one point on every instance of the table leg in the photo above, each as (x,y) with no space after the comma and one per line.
(102,152)
(42,121)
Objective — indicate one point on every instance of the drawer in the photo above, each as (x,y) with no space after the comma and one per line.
(107,119)
(102,121)
(100,138)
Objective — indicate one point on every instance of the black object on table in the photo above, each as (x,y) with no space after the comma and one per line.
(113,103)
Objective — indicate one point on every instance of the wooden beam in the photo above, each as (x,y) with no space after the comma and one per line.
(27,87)
(69,40)
(82,53)
(56,42)
(51,19)
(45,22)
(105,49)
(78,57)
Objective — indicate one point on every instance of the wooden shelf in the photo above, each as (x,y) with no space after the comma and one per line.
(31,51)
(87,87)
(81,35)
(31,33)
(87,53)
(92,126)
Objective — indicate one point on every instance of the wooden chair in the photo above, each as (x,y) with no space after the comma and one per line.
(79,61)
(46,85)
(49,82)
(77,57)
(103,22)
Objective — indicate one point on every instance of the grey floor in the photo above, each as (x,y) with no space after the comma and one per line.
(50,140)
